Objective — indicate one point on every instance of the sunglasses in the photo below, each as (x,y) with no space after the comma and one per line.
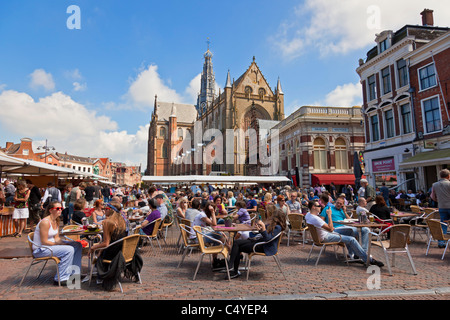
(57,208)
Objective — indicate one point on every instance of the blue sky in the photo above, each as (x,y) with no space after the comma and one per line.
(90,91)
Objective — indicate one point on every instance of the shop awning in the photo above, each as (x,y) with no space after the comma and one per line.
(336,178)
(425,159)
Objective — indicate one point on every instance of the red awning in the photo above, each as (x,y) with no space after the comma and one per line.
(337,179)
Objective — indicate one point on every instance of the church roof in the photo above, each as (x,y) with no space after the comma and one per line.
(184,112)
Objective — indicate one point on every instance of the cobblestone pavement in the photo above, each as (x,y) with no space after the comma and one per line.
(332,279)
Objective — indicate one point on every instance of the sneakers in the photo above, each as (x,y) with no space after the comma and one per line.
(218,265)
(234,274)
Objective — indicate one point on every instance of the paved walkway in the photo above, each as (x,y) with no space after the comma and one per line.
(330,280)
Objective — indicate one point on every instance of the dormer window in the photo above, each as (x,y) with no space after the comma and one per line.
(384,45)
(384,40)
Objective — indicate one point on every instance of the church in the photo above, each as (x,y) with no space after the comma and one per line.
(217,135)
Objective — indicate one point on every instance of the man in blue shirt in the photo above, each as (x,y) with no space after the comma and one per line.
(338,214)
(252,205)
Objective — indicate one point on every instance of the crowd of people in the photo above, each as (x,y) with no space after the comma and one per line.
(206,206)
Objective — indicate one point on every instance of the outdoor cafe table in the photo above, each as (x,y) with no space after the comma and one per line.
(238,227)
(400,214)
(370,225)
(90,235)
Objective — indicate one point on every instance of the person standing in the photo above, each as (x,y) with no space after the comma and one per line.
(34,204)
(21,212)
(51,194)
(10,191)
(440,193)
(75,194)
(369,193)
(385,193)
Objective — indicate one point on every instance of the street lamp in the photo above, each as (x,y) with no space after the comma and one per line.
(46,148)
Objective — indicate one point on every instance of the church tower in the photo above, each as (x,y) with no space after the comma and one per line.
(207,85)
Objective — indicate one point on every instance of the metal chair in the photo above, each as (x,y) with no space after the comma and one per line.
(323,245)
(436,234)
(129,246)
(297,226)
(156,228)
(398,243)
(187,245)
(56,260)
(219,248)
(275,256)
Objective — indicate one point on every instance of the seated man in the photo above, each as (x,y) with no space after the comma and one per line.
(338,214)
(327,232)
(293,203)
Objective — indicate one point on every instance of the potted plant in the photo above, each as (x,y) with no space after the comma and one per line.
(228,220)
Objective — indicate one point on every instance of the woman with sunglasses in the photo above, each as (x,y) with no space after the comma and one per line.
(47,235)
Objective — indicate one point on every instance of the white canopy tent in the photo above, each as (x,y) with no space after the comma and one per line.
(30,168)
(196,179)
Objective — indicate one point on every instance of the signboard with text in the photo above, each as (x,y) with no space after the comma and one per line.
(383,165)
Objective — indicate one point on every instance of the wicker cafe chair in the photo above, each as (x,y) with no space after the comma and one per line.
(187,245)
(56,260)
(436,234)
(187,223)
(219,248)
(297,226)
(317,243)
(275,256)
(398,243)
(129,246)
(157,224)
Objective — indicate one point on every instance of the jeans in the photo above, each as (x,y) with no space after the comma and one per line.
(70,254)
(445,215)
(71,210)
(351,243)
(353,232)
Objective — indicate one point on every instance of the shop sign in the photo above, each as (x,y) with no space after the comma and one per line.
(383,165)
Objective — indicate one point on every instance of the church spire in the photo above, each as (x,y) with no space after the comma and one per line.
(207,84)
(228,81)
(279,91)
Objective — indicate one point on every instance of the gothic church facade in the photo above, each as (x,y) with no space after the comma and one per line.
(192,139)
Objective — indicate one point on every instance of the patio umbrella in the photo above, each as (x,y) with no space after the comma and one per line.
(357,170)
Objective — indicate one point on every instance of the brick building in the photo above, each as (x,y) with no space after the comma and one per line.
(389,108)
(430,82)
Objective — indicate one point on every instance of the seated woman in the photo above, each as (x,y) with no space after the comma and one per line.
(207,218)
(275,224)
(114,229)
(98,215)
(47,235)
(182,207)
(78,213)
(381,210)
(242,215)
(147,225)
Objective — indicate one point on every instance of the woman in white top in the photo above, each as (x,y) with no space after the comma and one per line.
(47,235)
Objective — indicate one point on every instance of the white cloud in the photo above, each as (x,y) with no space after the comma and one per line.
(193,89)
(79,86)
(346,95)
(40,78)
(337,27)
(70,126)
(148,83)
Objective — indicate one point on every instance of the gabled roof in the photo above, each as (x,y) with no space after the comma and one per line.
(185,113)
(241,81)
